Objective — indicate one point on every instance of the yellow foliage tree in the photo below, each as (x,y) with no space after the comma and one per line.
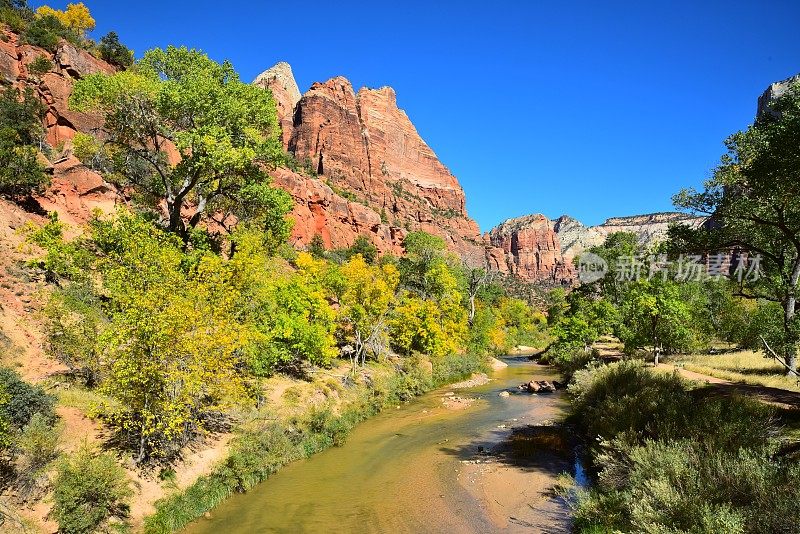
(366,301)
(76,17)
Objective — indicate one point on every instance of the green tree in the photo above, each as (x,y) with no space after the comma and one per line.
(317,247)
(363,247)
(655,314)
(616,248)
(192,136)
(21,132)
(114,52)
(754,203)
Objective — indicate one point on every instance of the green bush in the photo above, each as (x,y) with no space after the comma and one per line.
(86,148)
(90,488)
(21,133)
(36,446)
(676,487)
(24,400)
(44,32)
(625,398)
(38,442)
(15,15)
(40,66)
(676,459)
(453,367)
(75,321)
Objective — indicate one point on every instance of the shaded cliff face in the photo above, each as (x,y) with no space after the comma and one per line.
(533,250)
(376,175)
(650,229)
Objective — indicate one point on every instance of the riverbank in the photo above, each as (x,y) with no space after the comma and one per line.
(681,455)
(299,419)
(421,467)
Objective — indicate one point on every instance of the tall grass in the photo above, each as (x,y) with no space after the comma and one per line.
(265,444)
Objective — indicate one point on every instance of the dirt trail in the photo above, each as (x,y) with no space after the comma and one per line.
(782,398)
(610,349)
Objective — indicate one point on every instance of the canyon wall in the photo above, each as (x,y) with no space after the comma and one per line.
(533,250)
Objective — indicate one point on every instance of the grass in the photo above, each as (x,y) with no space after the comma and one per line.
(745,367)
(82,399)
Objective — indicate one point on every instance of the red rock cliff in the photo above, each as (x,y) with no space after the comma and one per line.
(532,250)
(75,190)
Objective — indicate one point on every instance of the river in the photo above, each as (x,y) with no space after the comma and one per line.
(420,467)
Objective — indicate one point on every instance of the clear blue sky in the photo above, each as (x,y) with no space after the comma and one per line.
(553,107)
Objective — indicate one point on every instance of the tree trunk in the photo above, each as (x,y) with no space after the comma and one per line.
(790,346)
(655,341)
(471,309)
(175,221)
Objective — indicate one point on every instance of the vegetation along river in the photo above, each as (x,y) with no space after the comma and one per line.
(427,466)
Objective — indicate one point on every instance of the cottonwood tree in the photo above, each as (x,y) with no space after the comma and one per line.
(366,303)
(191,136)
(753,199)
(655,313)
(476,278)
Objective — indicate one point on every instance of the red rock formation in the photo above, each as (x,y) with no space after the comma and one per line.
(366,149)
(55,86)
(532,250)
(75,190)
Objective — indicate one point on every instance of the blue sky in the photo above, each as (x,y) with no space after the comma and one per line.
(552,107)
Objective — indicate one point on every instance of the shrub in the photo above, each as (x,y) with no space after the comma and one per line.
(24,400)
(673,459)
(75,322)
(673,486)
(14,17)
(40,66)
(21,173)
(87,148)
(627,398)
(20,132)
(44,32)
(454,367)
(38,442)
(36,446)
(89,489)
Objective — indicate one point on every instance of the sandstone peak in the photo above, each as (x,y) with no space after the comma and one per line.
(532,249)
(517,223)
(337,88)
(280,75)
(774,91)
(280,80)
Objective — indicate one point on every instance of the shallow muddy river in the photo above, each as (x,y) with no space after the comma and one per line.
(422,467)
